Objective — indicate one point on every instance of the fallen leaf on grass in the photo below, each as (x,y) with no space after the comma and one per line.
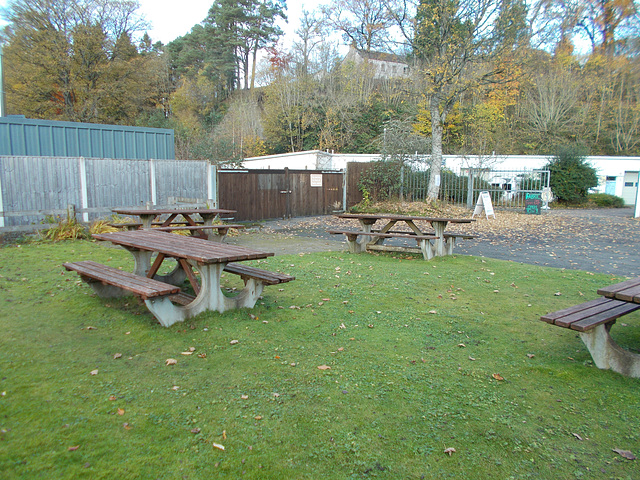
(195,430)
(117,355)
(112,398)
(324,367)
(234,342)
(450,450)
(530,355)
(625,454)
(94,372)
(127,426)
(74,448)
(121,411)
(186,353)
(577,436)
(217,445)
(170,361)
(497,376)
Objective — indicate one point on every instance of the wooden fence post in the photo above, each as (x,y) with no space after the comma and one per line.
(71,213)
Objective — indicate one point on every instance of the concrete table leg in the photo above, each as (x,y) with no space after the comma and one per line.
(607,354)
(209,298)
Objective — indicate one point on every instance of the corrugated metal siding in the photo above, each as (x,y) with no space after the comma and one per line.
(29,137)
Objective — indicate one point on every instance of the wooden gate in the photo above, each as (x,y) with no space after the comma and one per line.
(265,194)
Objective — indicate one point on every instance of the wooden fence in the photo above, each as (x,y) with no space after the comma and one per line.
(35,189)
(262,194)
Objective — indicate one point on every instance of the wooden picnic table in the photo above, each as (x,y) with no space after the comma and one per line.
(443,241)
(627,291)
(203,228)
(192,255)
(593,321)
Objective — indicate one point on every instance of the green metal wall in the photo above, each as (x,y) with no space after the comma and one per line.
(21,136)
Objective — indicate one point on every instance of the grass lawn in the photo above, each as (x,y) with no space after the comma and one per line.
(422,356)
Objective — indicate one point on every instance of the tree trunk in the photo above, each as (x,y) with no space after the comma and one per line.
(437,120)
(253,66)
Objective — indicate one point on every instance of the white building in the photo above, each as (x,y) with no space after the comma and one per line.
(384,65)
(617,175)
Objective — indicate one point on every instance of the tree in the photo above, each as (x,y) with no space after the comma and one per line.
(310,35)
(291,108)
(551,100)
(607,24)
(363,23)
(239,29)
(571,176)
(457,46)
(401,143)
(74,60)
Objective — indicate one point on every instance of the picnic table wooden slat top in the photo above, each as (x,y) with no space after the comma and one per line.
(181,246)
(628,291)
(169,211)
(392,216)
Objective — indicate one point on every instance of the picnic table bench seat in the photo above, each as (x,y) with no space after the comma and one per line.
(222,229)
(265,276)
(424,246)
(138,225)
(104,278)
(593,321)
(464,236)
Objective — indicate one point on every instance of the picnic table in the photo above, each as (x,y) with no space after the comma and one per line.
(431,243)
(178,219)
(593,321)
(163,294)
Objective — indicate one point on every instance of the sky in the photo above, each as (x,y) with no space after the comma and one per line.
(171,19)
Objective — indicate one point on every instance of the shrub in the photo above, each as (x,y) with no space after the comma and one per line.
(605,200)
(381,181)
(571,175)
(101,226)
(69,229)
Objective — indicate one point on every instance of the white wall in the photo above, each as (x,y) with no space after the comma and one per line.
(318,160)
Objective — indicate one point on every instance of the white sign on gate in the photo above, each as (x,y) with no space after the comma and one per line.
(484,202)
(316,179)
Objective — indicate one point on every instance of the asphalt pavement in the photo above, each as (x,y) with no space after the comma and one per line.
(603,240)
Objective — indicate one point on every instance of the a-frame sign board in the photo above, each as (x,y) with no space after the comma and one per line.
(484,202)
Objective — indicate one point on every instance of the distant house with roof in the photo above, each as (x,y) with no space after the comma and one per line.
(385,65)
